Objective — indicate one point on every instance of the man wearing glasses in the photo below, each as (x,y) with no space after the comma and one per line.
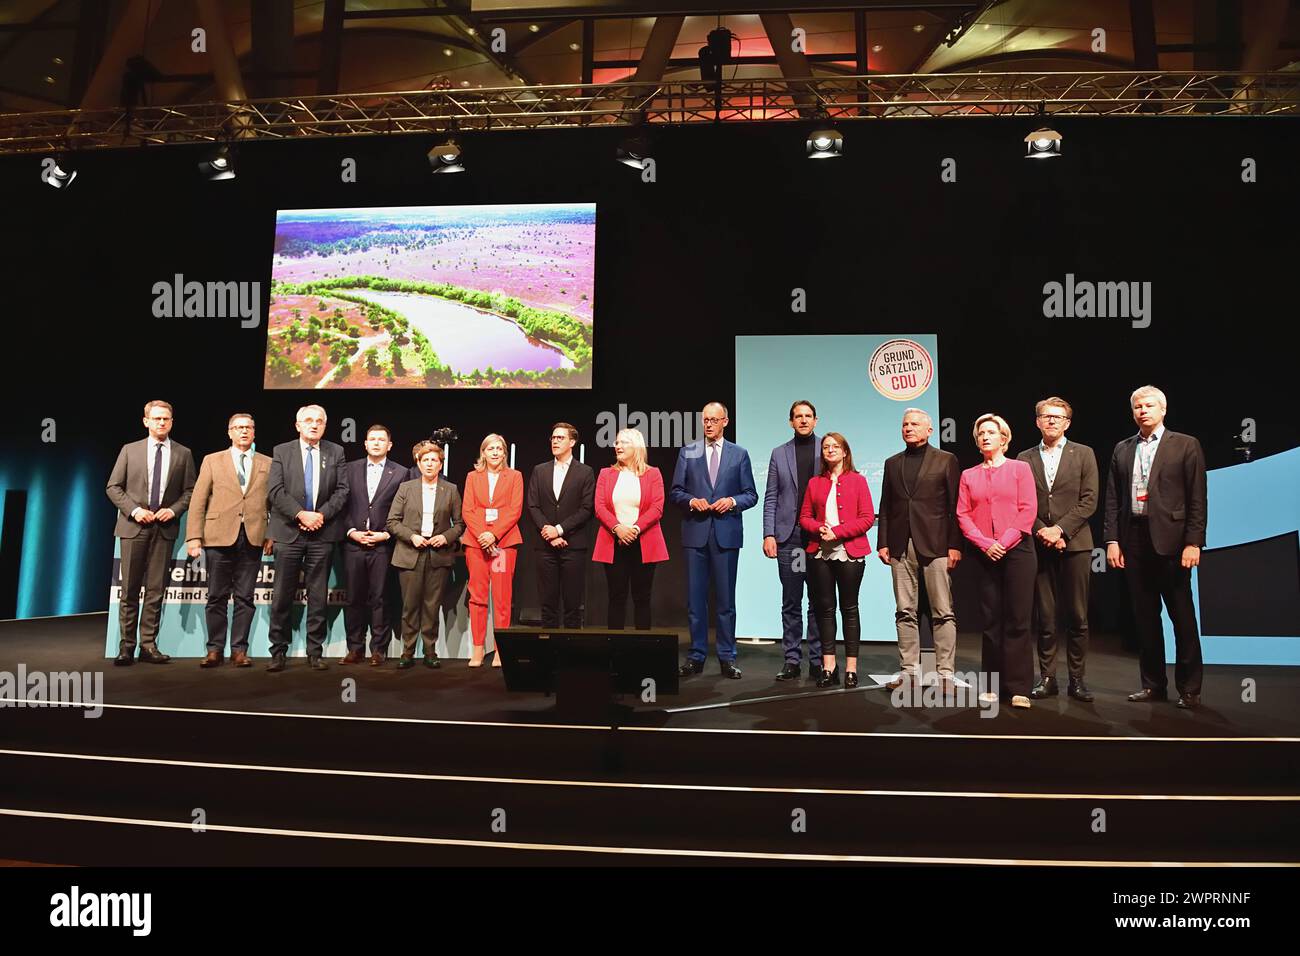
(228,519)
(1065,475)
(713,483)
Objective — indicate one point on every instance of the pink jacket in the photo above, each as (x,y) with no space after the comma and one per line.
(651,540)
(997,504)
(856,512)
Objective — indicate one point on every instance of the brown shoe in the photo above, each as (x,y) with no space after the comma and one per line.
(376,659)
(240,659)
(212,660)
(352,657)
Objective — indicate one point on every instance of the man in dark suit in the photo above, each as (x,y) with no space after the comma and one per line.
(918,537)
(426,524)
(713,483)
(308,496)
(1065,475)
(1155,529)
(368,550)
(150,485)
(789,470)
(560,499)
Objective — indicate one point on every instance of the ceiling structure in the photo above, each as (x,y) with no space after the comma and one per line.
(69,54)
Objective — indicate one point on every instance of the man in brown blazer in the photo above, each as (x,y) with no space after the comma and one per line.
(228,518)
(1065,476)
(425,521)
(150,485)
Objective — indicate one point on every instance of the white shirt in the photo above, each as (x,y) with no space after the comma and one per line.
(428,499)
(827,552)
(712,448)
(1051,460)
(492,483)
(235,455)
(557,480)
(1143,456)
(315,460)
(627,497)
(374,473)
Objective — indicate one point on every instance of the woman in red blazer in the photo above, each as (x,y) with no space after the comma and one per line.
(996,507)
(837,512)
(629,541)
(494,500)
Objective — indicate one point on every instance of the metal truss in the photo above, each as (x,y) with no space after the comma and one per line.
(623,104)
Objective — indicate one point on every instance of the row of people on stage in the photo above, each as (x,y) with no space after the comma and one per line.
(1025,521)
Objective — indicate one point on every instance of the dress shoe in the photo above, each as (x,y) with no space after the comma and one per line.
(1189,701)
(829,678)
(1020,700)
(1079,691)
(124,659)
(240,659)
(432,662)
(690,667)
(276,665)
(476,657)
(790,672)
(317,663)
(352,657)
(730,670)
(376,659)
(814,670)
(1047,687)
(850,679)
(404,662)
(212,660)
(151,655)
(1148,694)
(896,683)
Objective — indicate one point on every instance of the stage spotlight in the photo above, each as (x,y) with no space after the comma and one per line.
(825,143)
(62,173)
(220,164)
(446,157)
(633,151)
(1042,144)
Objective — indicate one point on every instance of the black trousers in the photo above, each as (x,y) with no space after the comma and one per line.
(370,597)
(1061,589)
(825,577)
(561,575)
(232,571)
(423,588)
(628,570)
(1007,599)
(313,557)
(146,560)
(1152,577)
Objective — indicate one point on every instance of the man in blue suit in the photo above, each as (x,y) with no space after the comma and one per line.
(788,472)
(713,483)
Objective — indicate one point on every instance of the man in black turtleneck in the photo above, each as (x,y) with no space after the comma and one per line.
(791,467)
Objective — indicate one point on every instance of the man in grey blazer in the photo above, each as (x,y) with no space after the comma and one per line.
(228,519)
(789,470)
(1156,512)
(425,522)
(1065,476)
(308,498)
(150,485)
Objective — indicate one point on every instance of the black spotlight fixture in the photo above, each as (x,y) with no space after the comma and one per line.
(825,143)
(219,164)
(716,54)
(634,150)
(1043,142)
(60,171)
(446,157)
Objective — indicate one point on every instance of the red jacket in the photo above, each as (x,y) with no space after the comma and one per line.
(508,500)
(997,504)
(856,511)
(651,539)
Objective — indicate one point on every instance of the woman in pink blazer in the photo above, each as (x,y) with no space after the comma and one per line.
(996,505)
(837,512)
(629,541)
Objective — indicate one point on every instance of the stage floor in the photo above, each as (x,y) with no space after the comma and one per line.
(447,767)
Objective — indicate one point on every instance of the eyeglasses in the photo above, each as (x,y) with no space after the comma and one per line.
(1054,418)
(713,421)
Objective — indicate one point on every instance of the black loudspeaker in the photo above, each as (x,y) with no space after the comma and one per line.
(585,668)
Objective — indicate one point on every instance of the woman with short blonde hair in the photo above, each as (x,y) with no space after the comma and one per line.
(629,504)
(494,500)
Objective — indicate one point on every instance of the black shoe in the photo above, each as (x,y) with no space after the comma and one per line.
(690,667)
(730,670)
(1189,701)
(1148,694)
(829,678)
(276,665)
(124,659)
(151,655)
(790,672)
(850,679)
(432,662)
(814,670)
(1046,687)
(317,663)
(1079,691)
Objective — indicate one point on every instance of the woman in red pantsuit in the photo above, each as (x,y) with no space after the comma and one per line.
(493,502)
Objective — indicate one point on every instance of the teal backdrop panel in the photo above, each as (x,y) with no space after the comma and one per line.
(860,385)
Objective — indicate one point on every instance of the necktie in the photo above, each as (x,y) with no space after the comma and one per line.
(307,473)
(713,464)
(243,474)
(155,493)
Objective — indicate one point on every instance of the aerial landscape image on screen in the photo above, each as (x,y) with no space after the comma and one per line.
(433,297)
